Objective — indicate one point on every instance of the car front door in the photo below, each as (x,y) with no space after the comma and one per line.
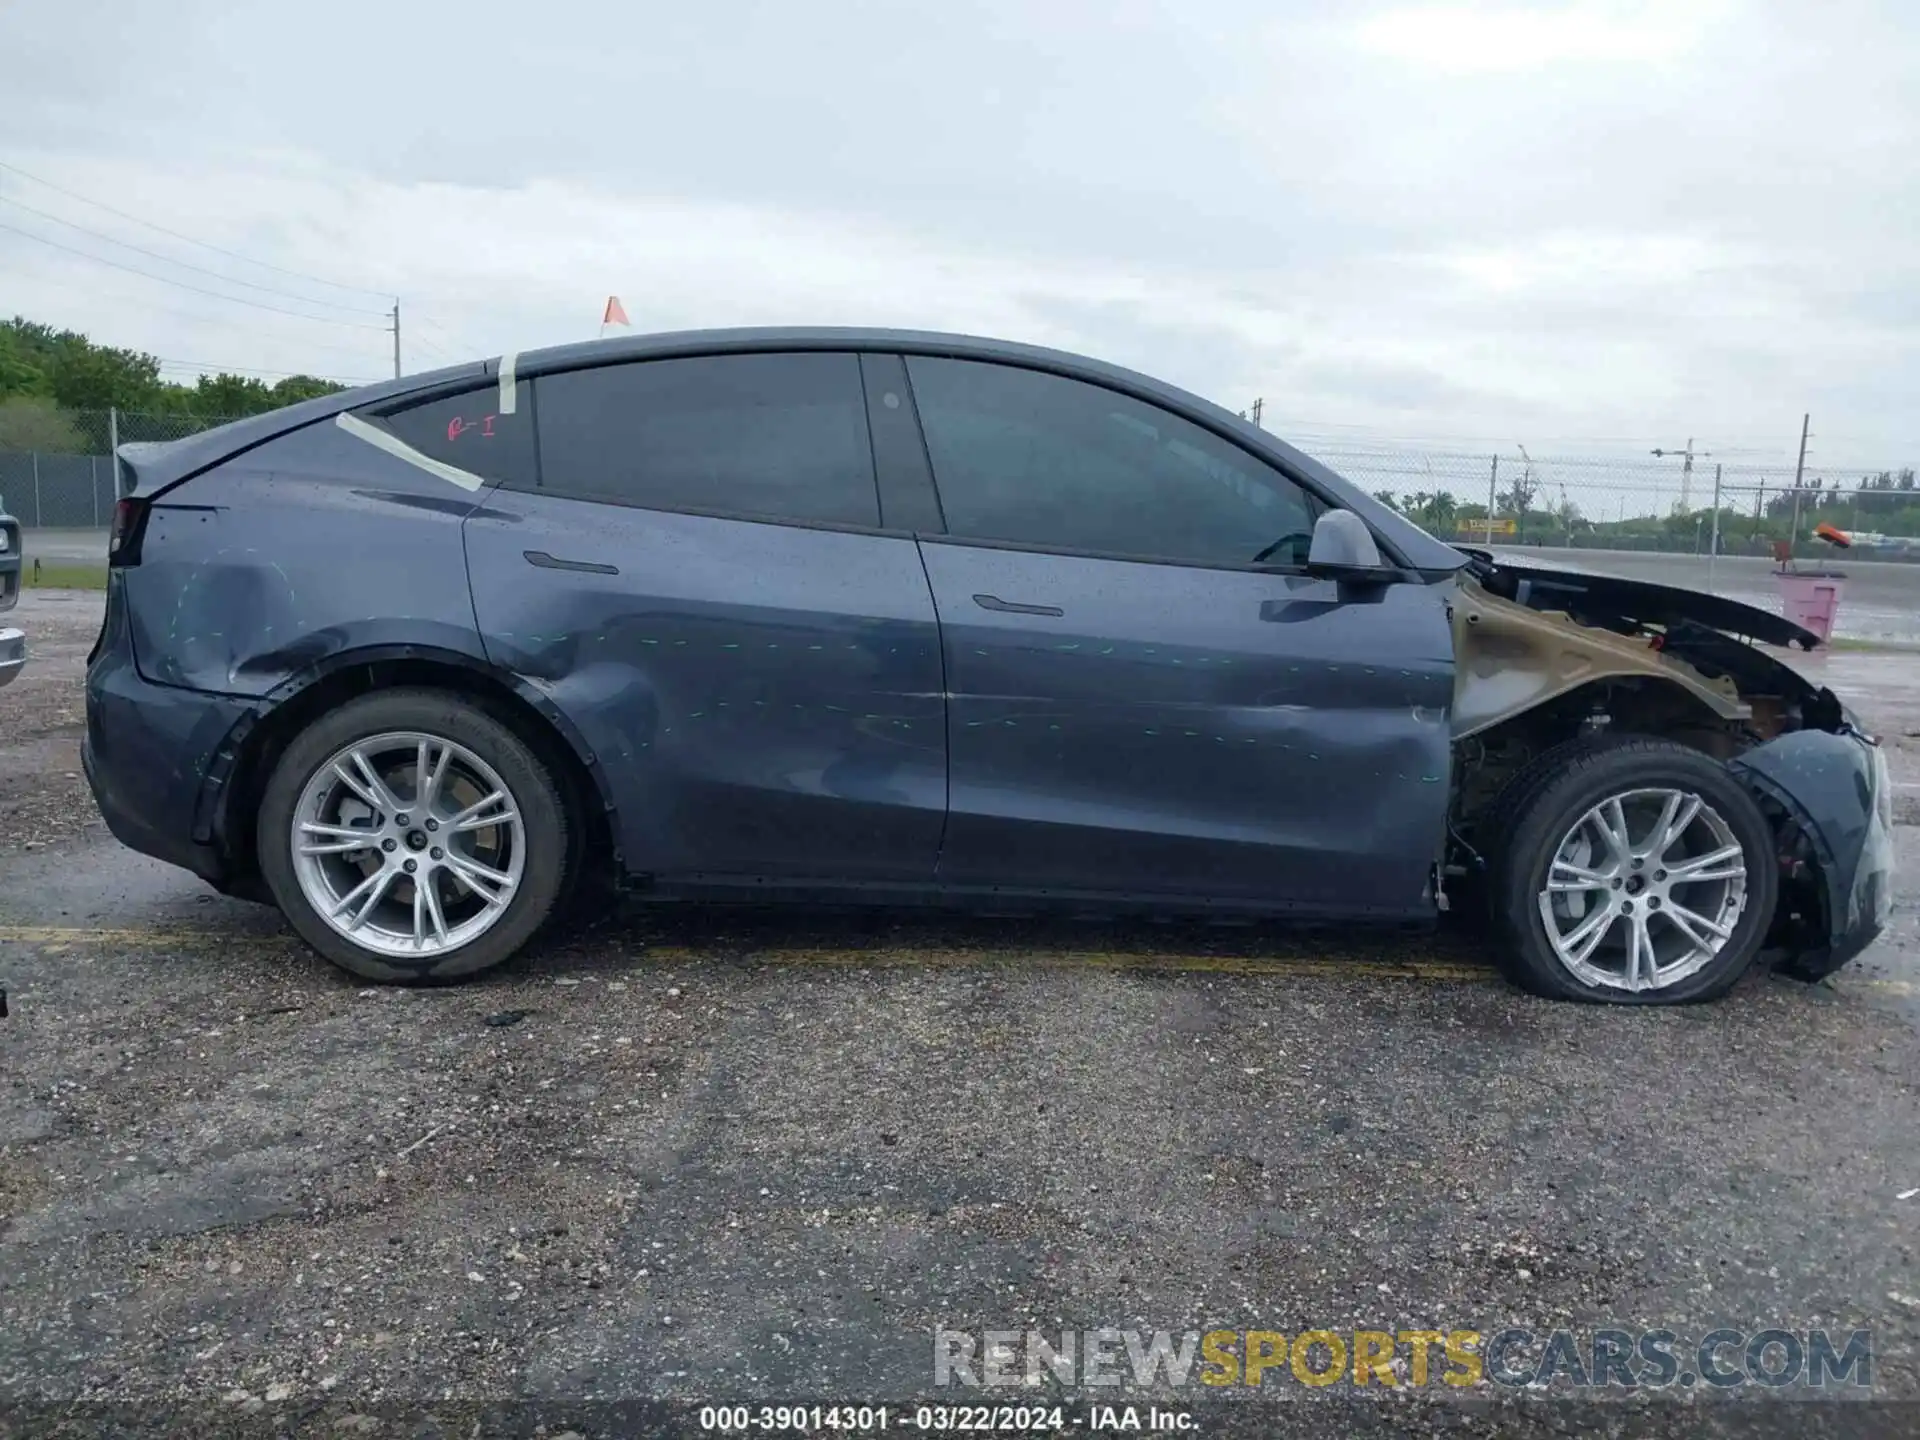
(696,575)
(1135,706)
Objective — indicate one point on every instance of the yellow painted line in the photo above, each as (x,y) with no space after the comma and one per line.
(1892,987)
(909,957)
(82,935)
(922,957)
(891,958)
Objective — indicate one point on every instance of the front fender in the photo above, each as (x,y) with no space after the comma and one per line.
(1832,792)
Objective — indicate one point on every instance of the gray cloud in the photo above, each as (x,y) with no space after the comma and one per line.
(1601,217)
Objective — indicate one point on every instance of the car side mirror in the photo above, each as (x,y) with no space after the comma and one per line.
(1344,549)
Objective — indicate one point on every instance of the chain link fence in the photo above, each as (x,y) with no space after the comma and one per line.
(55,470)
(1509,498)
(1635,504)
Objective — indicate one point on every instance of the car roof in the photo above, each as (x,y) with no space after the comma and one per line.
(1413,546)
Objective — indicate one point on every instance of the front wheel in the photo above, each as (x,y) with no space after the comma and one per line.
(1635,871)
(411,836)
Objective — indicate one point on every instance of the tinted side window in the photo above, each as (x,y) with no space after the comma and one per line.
(468,430)
(1042,460)
(779,436)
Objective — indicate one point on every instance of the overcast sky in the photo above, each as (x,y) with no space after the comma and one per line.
(1556,224)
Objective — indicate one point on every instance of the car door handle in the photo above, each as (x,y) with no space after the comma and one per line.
(1009,607)
(545,561)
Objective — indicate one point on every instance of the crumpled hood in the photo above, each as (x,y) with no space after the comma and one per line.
(1644,600)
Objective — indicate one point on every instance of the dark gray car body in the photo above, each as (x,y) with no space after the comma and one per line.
(829,710)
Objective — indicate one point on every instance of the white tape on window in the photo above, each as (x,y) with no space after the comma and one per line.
(509,389)
(400,450)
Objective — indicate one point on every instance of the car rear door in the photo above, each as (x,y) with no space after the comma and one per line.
(1134,706)
(697,575)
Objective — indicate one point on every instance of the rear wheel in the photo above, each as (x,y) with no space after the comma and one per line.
(1633,871)
(411,836)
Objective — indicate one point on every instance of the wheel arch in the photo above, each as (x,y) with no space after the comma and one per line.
(1492,760)
(237,774)
(1511,661)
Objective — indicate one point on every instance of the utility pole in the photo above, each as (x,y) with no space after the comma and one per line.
(1799,471)
(1713,543)
(1686,472)
(396,338)
(1258,406)
(1493,496)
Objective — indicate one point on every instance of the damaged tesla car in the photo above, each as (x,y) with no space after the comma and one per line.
(915,618)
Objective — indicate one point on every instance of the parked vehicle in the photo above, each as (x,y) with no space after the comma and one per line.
(907,617)
(13,640)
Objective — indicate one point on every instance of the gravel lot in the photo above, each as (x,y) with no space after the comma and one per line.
(724,1155)
(43,796)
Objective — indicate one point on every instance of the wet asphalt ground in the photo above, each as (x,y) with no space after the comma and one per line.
(725,1155)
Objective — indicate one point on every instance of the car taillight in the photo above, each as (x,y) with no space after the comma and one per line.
(123,540)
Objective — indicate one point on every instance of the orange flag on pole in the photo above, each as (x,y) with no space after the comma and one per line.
(615,313)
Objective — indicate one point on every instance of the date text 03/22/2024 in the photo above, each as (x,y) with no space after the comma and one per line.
(942,1419)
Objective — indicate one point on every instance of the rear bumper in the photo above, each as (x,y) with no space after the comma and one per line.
(147,755)
(13,654)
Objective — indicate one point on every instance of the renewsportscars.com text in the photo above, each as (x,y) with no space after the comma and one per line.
(1463,1358)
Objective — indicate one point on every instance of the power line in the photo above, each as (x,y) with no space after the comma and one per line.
(450,336)
(1361,430)
(175,234)
(185,265)
(168,280)
(422,343)
(206,368)
(238,325)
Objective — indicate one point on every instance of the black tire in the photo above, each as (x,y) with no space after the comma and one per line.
(543,814)
(1547,800)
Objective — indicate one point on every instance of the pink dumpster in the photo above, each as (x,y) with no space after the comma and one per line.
(1811,598)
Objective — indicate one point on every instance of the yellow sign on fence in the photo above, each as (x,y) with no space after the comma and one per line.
(1499,525)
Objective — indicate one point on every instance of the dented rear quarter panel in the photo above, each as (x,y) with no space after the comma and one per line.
(305,549)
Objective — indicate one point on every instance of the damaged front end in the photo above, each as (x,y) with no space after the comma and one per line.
(1547,653)
(1831,802)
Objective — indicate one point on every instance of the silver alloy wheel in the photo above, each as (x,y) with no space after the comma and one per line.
(1644,890)
(408,844)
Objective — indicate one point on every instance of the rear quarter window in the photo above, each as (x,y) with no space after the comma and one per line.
(469,430)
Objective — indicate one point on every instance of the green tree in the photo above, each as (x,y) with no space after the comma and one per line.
(84,376)
(66,368)
(225,395)
(295,388)
(1518,497)
(28,422)
(1440,512)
